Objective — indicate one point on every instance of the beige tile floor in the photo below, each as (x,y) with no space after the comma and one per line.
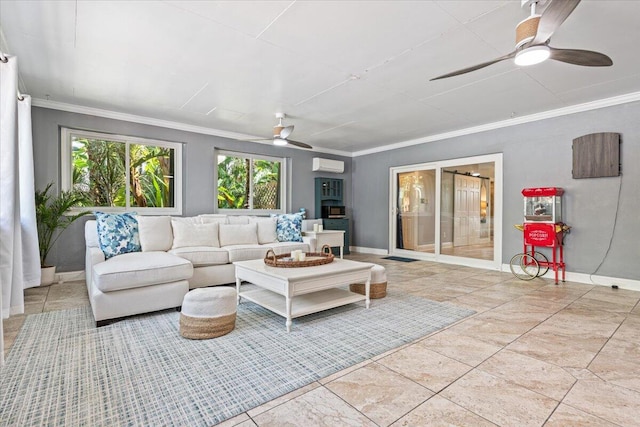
(534,354)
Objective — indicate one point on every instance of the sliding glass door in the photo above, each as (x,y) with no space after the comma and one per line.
(448,211)
(415,210)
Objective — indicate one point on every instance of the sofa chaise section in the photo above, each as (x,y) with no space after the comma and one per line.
(132,283)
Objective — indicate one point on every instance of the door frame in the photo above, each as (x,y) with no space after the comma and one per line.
(496,263)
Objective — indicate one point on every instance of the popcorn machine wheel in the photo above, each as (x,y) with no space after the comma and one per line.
(530,263)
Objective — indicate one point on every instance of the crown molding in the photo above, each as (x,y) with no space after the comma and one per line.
(578,108)
(108,114)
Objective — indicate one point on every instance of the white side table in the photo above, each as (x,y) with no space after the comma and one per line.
(327,237)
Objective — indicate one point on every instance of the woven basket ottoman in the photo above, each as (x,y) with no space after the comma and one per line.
(378,286)
(208,313)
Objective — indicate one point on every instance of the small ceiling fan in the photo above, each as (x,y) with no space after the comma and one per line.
(532,40)
(281,134)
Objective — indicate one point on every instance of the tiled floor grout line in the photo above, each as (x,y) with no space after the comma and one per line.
(439,393)
(349,404)
(554,410)
(579,409)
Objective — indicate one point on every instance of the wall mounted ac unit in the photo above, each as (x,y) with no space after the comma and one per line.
(327,165)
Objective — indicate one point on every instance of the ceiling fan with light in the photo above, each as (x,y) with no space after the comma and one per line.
(532,40)
(281,134)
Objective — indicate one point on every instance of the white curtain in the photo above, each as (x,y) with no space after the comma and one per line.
(19,260)
(30,250)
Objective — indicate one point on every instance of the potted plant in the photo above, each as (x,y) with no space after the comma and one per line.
(52,219)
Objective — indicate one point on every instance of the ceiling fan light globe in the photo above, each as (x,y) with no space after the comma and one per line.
(279,141)
(532,55)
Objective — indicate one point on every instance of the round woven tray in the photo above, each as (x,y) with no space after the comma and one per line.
(312,259)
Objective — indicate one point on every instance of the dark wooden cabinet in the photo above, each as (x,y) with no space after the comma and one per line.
(330,192)
(329,189)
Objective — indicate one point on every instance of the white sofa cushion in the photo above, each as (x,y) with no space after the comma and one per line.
(237,219)
(187,234)
(202,255)
(238,234)
(156,233)
(266,229)
(188,219)
(209,218)
(246,252)
(137,269)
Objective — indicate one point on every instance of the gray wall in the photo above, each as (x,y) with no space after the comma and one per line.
(536,154)
(198,169)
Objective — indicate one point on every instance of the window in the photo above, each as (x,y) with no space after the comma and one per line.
(121,173)
(250,183)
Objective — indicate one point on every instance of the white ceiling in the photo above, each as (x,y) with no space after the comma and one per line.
(351,75)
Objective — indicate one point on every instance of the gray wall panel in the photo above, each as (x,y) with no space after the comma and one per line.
(198,172)
(534,154)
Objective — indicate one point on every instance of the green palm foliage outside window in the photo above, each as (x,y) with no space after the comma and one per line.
(248,182)
(105,169)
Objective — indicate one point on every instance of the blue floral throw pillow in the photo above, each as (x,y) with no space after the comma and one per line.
(117,233)
(289,227)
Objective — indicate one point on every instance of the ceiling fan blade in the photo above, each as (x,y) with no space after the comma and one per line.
(299,144)
(587,58)
(258,139)
(475,67)
(286,131)
(552,17)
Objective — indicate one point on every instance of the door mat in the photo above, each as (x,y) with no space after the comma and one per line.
(399,258)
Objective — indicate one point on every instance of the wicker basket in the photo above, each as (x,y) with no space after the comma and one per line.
(376,290)
(202,328)
(313,259)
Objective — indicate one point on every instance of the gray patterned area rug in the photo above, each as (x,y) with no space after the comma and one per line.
(61,370)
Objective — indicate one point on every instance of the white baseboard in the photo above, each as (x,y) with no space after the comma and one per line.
(365,250)
(69,276)
(632,285)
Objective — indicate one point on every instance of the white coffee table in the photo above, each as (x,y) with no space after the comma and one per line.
(295,292)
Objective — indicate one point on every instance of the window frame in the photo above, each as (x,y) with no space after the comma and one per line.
(284,180)
(66,168)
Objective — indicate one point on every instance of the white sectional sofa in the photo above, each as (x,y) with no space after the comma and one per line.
(177,254)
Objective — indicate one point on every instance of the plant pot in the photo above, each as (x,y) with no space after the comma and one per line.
(47,275)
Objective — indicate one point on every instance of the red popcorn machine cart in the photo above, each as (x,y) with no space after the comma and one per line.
(542,228)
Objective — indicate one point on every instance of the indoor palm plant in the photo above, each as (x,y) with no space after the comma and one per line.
(52,218)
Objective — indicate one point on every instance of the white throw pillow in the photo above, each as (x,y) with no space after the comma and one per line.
(156,233)
(186,234)
(266,229)
(238,234)
(209,218)
(188,219)
(238,219)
